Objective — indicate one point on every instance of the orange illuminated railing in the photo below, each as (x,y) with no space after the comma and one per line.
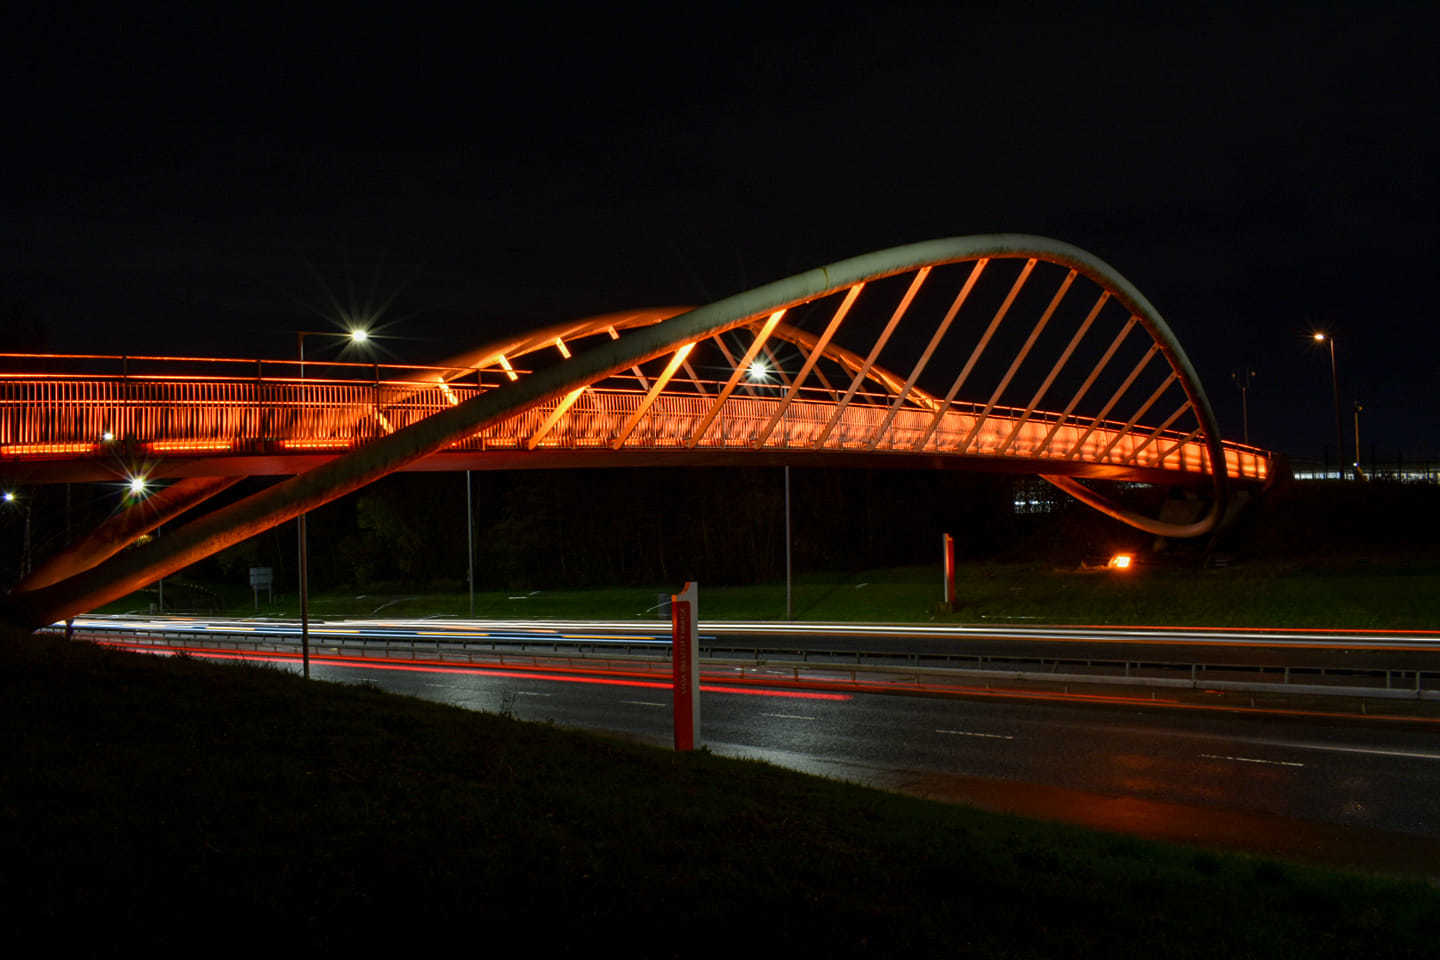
(67,416)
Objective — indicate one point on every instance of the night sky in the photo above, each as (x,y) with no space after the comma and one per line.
(198,185)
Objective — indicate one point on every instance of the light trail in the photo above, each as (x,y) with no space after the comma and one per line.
(597,676)
(620,631)
(795,686)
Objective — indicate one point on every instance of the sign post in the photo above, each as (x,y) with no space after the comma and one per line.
(262,577)
(685,659)
(948,546)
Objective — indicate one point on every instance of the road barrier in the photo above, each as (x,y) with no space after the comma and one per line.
(781,664)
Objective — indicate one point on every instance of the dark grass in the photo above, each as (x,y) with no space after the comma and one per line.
(174,804)
(1283,594)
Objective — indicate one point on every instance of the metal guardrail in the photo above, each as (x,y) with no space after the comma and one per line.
(800,664)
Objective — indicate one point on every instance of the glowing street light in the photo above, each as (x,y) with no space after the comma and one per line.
(759,373)
(9,496)
(356,335)
(1121,561)
(1335,390)
(138,486)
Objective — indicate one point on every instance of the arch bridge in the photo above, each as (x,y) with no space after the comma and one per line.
(999,352)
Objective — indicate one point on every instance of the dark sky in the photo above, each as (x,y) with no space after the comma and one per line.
(178,185)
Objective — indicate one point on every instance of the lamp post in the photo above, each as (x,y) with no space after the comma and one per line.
(469,545)
(760,373)
(1335,390)
(356,335)
(1242,380)
(1358,473)
(11,497)
(789,604)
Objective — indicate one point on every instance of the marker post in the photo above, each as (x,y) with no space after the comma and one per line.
(947,546)
(685,659)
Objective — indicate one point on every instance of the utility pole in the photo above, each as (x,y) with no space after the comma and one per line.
(356,336)
(1358,472)
(1335,392)
(789,604)
(469,545)
(1242,380)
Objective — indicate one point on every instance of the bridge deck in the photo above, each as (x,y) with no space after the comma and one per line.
(49,421)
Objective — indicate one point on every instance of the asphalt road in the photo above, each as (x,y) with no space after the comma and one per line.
(1357,793)
(1346,790)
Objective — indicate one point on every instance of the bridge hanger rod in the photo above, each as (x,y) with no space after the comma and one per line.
(554,416)
(615,335)
(1155,434)
(819,372)
(810,361)
(775,362)
(654,393)
(695,379)
(935,339)
(1114,399)
(1044,447)
(826,384)
(735,375)
(1054,372)
(1165,454)
(719,339)
(880,342)
(1135,418)
(1019,359)
(965,371)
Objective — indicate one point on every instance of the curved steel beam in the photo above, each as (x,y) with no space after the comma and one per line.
(1161,528)
(123,529)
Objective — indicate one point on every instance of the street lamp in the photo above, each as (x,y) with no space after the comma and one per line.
(355,335)
(11,497)
(1243,382)
(1335,390)
(1359,407)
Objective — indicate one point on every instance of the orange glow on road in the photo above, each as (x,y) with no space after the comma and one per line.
(1121,561)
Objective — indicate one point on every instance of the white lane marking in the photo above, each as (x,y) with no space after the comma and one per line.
(972,733)
(532,693)
(1274,763)
(644,703)
(788,716)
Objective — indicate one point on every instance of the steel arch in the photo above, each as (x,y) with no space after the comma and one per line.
(638,337)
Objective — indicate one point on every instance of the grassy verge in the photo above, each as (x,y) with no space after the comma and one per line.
(1257,594)
(173,803)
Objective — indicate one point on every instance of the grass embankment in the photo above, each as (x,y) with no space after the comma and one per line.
(179,804)
(1254,594)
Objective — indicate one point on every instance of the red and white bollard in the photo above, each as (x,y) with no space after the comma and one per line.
(685,659)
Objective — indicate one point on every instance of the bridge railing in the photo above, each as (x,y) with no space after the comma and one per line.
(66,415)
